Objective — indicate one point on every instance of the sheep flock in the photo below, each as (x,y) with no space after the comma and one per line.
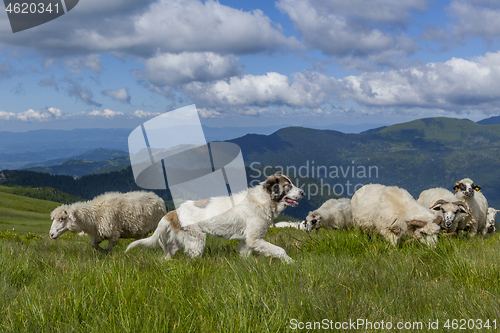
(393,213)
(389,211)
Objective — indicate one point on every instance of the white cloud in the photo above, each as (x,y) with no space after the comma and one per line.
(77,65)
(107,113)
(480,18)
(144,28)
(52,113)
(145,114)
(222,112)
(353,28)
(173,69)
(121,95)
(455,85)
(309,89)
(32,115)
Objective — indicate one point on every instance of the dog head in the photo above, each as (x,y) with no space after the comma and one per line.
(282,190)
(466,188)
(313,221)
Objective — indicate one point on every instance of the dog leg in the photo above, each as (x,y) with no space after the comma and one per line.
(268,249)
(193,240)
(244,249)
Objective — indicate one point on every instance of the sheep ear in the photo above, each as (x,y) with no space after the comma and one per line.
(414,224)
(477,188)
(455,188)
(462,206)
(72,216)
(497,211)
(437,220)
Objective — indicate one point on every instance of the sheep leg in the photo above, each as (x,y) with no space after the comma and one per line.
(112,242)
(390,236)
(95,244)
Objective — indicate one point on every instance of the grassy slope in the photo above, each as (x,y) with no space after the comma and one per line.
(24,214)
(63,285)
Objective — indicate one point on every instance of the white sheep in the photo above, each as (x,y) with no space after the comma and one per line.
(110,216)
(443,202)
(392,212)
(332,214)
(297,225)
(490,219)
(477,204)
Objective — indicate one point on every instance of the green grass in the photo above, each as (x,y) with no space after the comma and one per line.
(65,286)
(24,214)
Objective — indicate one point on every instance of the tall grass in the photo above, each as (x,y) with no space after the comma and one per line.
(65,286)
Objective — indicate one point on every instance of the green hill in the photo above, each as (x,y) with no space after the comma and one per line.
(416,155)
(24,214)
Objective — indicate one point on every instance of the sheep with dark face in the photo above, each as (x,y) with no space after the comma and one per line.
(468,192)
(110,216)
(393,213)
(444,203)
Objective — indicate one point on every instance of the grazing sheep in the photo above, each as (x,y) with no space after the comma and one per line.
(297,225)
(110,216)
(333,214)
(392,212)
(490,219)
(468,192)
(443,203)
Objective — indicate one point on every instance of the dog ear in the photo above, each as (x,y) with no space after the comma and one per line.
(273,187)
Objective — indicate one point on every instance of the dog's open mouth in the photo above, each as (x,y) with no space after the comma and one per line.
(291,202)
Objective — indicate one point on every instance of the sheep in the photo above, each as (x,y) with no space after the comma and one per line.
(477,204)
(297,225)
(110,216)
(333,214)
(392,212)
(443,203)
(490,219)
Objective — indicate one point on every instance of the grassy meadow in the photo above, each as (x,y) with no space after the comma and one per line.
(65,286)
(338,278)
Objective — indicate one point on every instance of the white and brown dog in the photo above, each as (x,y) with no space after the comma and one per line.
(249,220)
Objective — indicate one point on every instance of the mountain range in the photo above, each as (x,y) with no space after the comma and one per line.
(417,155)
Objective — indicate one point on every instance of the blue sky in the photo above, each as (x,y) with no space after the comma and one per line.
(252,63)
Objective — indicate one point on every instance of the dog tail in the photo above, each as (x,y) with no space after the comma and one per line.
(162,230)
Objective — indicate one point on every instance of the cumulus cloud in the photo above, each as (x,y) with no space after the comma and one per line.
(353,29)
(173,69)
(222,112)
(455,85)
(52,113)
(121,95)
(107,113)
(308,89)
(480,18)
(77,65)
(32,115)
(144,28)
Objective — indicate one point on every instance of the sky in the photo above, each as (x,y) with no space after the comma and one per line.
(119,63)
